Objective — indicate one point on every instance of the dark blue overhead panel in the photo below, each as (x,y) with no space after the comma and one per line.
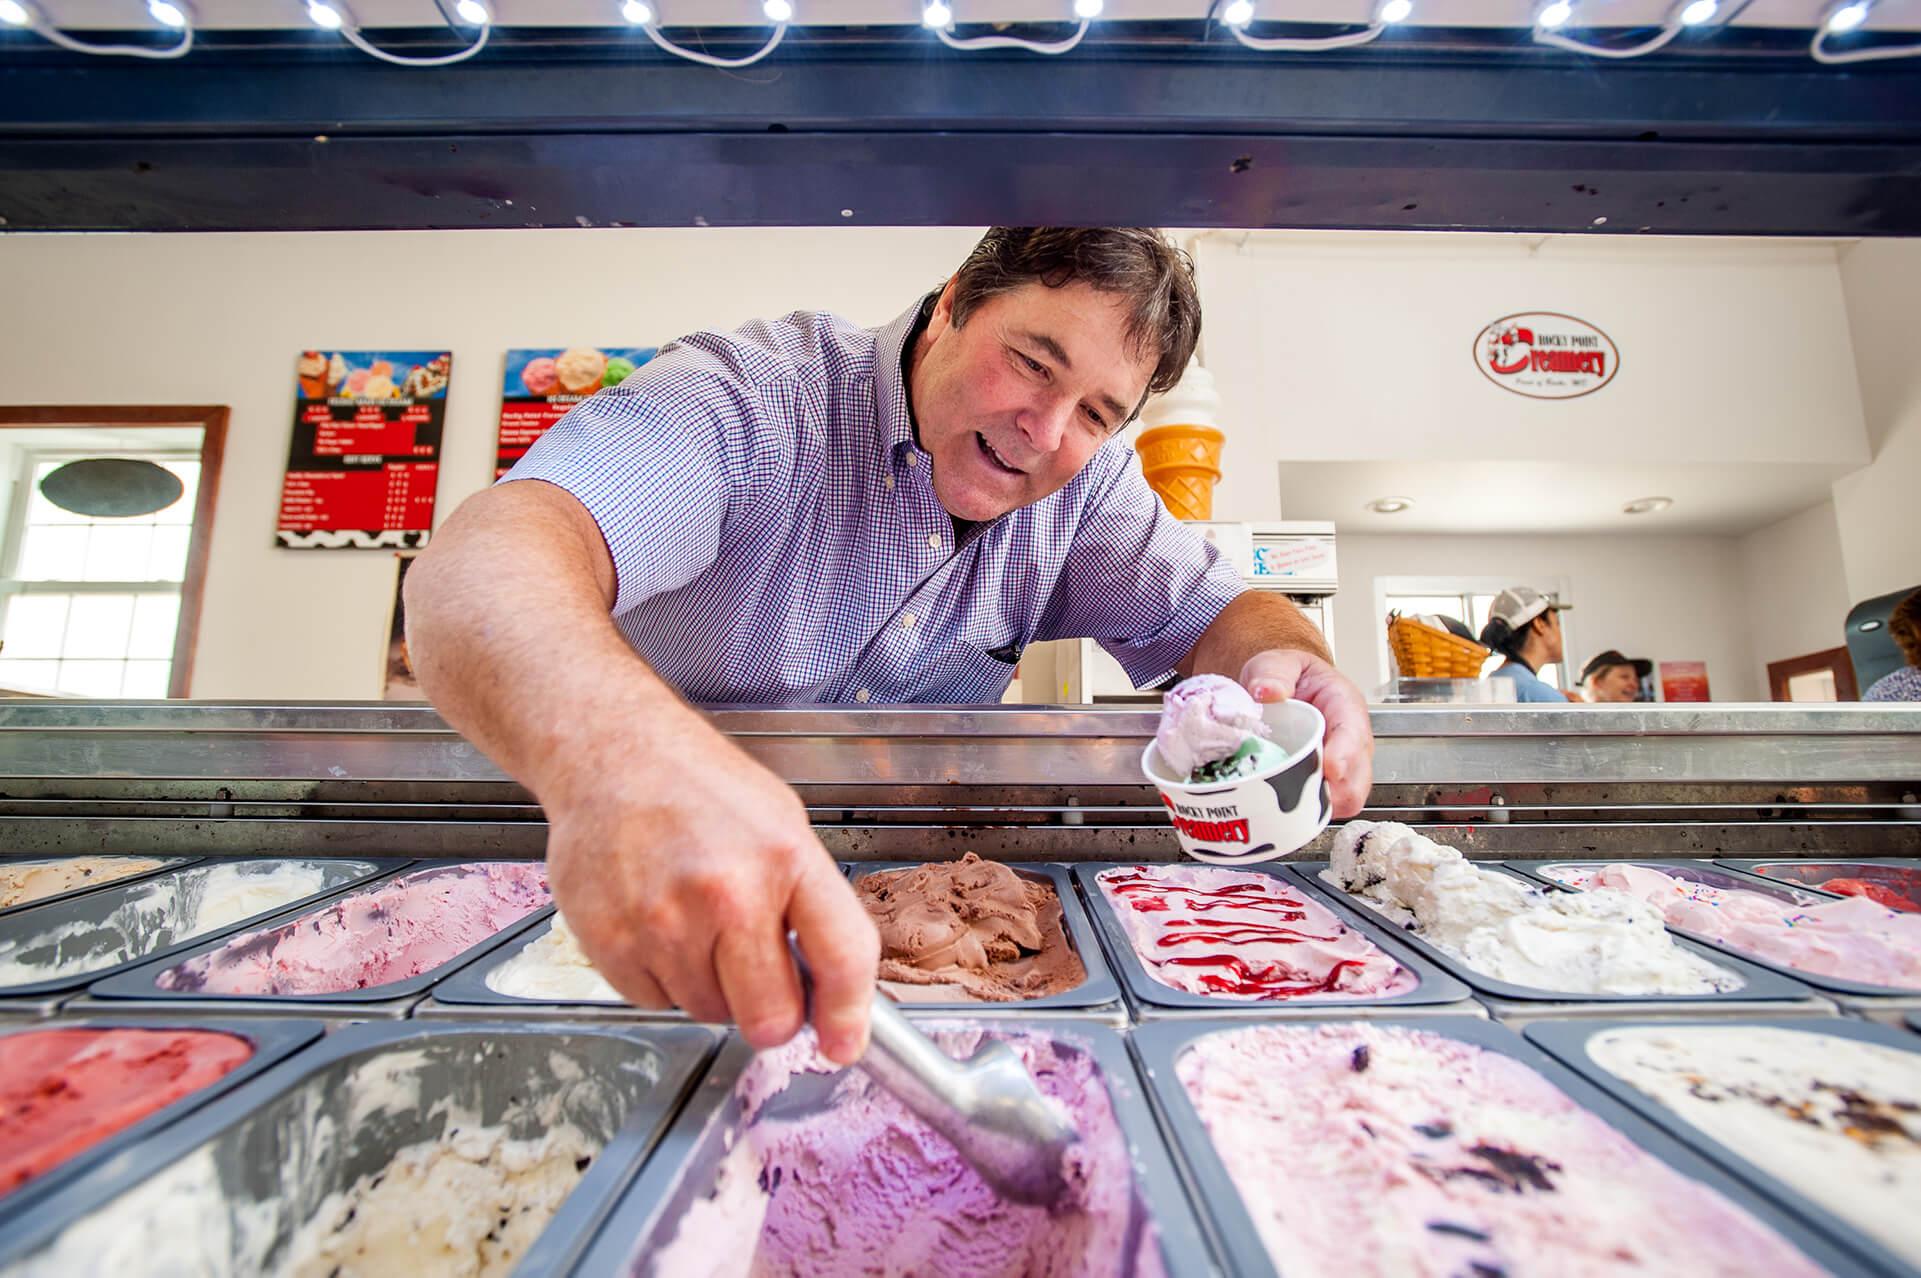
(1730,133)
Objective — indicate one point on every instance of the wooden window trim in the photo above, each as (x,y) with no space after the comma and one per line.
(1835,659)
(211,419)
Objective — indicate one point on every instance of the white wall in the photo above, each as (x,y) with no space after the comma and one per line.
(1876,507)
(1795,588)
(219,319)
(1664,598)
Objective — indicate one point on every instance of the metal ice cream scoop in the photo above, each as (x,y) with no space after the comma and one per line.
(987,1106)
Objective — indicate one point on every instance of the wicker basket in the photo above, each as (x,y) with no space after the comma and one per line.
(1422,652)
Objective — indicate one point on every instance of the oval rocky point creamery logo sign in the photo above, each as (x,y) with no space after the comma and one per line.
(1546,356)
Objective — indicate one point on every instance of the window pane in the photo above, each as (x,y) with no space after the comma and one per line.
(181,512)
(1550,675)
(1481,605)
(146,679)
(29,676)
(168,561)
(91,678)
(54,554)
(35,624)
(154,619)
(118,553)
(98,626)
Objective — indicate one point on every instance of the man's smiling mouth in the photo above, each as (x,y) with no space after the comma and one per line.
(994,458)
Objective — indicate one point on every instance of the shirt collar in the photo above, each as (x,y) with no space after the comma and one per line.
(895,418)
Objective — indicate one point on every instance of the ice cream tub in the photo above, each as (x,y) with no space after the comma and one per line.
(700,1204)
(476,988)
(1434,1185)
(1894,881)
(390,1148)
(382,941)
(1757,983)
(1884,1009)
(123,1086)
(1827,1140)
(30,881)
(63,945)
(1417,983)
(1765,940)
(1276,809)
(1097,988)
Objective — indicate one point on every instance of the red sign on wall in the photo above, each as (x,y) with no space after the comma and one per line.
(1544,355)
(1684,681)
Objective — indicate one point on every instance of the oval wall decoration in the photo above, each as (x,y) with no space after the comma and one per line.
(1546,355)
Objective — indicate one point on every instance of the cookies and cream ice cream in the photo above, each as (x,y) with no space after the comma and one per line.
(1602,942)
(1363,1150)
(1234,935)
(1211,730)
(969,929)
(1835,1119)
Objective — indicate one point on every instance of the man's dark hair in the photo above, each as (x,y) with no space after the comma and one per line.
(1904,627)
(1138,263)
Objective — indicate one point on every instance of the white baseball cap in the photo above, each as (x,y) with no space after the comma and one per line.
(1518,605)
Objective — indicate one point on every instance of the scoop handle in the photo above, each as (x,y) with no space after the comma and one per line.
(899,1057)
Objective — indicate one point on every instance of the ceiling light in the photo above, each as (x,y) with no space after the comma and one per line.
(14,14)
(936,16)
(1555,15)
(322,14)
(1396,11)
(1238,13)
(167,14)
(637,13)
(1848,16)
(1698,12)
(1647,505)
(472,12)
(777,10)
(1089,9)
(1390,505)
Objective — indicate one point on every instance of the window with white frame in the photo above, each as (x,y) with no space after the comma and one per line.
(89,605)
(1465,601)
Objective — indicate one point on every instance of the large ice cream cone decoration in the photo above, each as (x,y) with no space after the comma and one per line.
(1180,450)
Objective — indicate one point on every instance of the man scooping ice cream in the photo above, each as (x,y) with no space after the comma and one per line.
(804,511)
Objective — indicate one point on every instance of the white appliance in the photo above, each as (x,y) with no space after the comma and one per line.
(1294,557)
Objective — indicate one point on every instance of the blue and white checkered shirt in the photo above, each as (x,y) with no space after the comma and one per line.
(777,539)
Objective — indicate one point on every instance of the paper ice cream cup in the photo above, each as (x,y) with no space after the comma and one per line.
(1256,818)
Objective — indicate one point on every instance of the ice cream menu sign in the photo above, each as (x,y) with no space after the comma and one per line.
(365,458)
(543,383)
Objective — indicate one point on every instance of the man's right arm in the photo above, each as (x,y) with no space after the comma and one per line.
(680,862)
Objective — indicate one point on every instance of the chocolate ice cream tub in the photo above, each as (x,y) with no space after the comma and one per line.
(1231,1227)
(57,948)
(1098,996)
(468,992)
(272,1041)
(387,999)
(1435,991)
(1568,1043)
(1715,876)
(229,1188)
(683,1172)
(1762,990)
(163,863)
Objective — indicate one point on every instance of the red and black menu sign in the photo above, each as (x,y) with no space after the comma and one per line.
(365,460)
(543,383)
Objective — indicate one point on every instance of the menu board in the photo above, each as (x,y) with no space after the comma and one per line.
(365,458)
(541,384)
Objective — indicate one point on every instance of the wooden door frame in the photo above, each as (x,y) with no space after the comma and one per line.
(211,420)
(1835,659)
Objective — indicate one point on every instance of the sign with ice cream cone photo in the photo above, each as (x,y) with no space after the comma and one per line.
(1241,782)
(542,383)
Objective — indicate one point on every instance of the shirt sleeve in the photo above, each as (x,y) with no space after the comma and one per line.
(1137,580)
(661,461)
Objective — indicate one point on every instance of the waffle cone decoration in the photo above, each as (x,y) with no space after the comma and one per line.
(1182,464)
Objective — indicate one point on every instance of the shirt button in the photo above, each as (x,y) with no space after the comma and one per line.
(907,621)
(862,695)
(933,541)
(913,459)
(887,480)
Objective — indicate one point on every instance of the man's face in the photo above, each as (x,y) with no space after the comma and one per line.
(1614,683)
(1012,404)
(1551,636)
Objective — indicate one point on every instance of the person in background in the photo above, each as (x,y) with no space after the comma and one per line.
(1611,677)
(1525,626)
(1904,626)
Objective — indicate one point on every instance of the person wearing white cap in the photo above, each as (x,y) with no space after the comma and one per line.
(1525,626)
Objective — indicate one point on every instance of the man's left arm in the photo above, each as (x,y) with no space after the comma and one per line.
(1265,643)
